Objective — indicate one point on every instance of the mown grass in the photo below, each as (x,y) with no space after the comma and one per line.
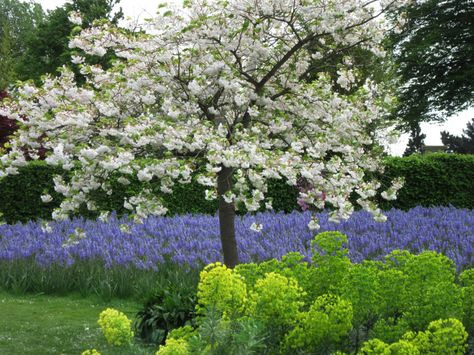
(40,324)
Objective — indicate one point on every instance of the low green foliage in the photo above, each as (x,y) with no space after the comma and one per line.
(408,304)
(326,322)
(444,336)
(466,279)
(90,352)
(222,290)
(89,278)
(430,180)
(274,301)
(331,258)
(170,305)
(116,327)
(174,347)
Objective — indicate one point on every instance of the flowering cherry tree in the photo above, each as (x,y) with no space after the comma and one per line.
(213,91)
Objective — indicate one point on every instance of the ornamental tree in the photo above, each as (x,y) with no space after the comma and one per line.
(212,92)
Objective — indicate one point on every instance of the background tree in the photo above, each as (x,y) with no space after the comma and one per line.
(7,125)
(19,21)
(416,143)
(48,49)
(434,54)
(463,144)
(435,57)
(214,94)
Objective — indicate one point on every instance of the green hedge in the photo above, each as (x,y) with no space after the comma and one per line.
(438,179)
(21,193)
(430,180)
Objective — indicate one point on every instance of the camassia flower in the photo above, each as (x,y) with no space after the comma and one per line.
(194,239)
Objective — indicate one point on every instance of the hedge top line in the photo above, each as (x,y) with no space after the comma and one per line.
(438,179)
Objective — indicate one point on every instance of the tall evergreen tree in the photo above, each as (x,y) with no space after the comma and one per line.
(416,143)
(463,144)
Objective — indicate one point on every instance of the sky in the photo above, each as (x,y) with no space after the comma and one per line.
(139,9)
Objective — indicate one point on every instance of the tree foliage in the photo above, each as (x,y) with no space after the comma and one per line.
(463,144)
(435,57)
(416,143)
(48,48)
(18,22)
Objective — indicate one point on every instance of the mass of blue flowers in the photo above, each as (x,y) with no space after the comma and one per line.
(194,239)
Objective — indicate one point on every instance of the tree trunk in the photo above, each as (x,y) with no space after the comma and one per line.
(227,218)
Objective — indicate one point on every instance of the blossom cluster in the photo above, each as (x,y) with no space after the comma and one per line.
(194,239)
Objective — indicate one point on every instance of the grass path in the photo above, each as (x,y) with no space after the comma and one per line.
(40,324)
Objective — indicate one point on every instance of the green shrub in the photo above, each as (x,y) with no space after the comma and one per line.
(430,180)
(408,304)
(222,290)
(171,306)
(327,321)
(431,292)
(444,336)
(413,291)
(220,335)
(439,179)
(360,287)
(291,266)
(90,352)
(116,327)
(467,293)
(174,347)
(374,347)
(331,258)
(21,194)
(275,300)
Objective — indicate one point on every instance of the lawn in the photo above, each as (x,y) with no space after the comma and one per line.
(41,324)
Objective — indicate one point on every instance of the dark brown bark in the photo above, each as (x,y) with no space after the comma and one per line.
(227,218)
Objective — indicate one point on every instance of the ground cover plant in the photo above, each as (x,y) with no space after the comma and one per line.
(39,324)
(120,258)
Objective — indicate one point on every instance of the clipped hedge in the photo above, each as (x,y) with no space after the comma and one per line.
(430,180)
(20,194)
(439,179)
(21,201)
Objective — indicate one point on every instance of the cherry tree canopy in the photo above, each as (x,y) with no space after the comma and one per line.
(213,89)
